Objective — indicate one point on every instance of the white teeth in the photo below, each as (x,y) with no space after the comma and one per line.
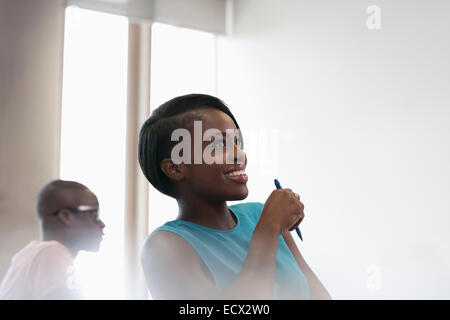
(236,173)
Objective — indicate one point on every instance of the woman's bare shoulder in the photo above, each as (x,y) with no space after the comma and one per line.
(173,268)
(165,243)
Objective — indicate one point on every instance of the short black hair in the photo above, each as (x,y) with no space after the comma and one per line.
(51,196)
(155,136)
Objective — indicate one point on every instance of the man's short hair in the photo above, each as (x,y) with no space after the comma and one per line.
(52,195)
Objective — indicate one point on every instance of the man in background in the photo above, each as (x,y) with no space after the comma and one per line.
(69,222)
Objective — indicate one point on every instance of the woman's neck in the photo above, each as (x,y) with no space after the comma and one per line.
(215,215)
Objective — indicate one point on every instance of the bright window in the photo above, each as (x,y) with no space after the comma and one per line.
(93,122)
(93,135)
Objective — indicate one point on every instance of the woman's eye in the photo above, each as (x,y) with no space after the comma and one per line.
(220,144)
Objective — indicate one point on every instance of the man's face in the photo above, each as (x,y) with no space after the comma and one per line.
(212,180)
(86,228)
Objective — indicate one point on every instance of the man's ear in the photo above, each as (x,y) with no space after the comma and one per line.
(65,216)
(173,171)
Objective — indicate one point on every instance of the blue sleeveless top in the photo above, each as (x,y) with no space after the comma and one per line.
(224,251)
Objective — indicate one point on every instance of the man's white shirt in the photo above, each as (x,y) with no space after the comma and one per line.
(38,270)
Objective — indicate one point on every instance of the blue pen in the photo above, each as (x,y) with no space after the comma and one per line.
(278,185)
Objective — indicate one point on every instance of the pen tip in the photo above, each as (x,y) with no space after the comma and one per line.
(299,233)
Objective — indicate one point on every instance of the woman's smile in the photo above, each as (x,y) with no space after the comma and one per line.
(237,174)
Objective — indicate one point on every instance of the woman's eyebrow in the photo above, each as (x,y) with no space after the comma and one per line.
(224,134)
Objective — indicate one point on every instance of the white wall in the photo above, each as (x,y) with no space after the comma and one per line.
(363,122)
(31,46)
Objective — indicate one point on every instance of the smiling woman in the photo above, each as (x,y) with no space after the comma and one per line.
(212,250)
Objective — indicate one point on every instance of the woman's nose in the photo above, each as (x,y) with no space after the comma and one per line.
(236,156)
(241,157)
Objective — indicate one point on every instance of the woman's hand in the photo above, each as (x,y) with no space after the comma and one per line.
(283,211)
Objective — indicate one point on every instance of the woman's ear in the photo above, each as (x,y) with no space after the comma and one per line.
(65,216)
(173,171)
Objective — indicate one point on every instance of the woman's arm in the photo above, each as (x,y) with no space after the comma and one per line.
(316,289)
(172,269)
